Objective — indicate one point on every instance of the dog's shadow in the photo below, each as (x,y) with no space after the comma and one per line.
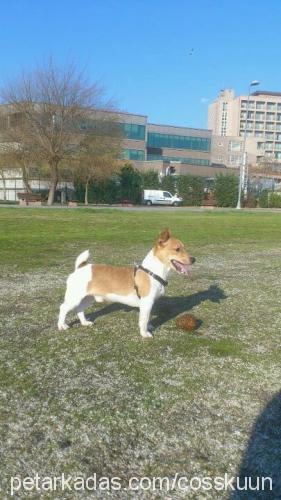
(166,308)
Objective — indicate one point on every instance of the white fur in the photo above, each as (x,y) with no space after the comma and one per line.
(76,297)
(83,257)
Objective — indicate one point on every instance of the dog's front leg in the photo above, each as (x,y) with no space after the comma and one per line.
(145,310)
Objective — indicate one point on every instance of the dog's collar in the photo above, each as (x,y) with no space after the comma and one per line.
(153,275)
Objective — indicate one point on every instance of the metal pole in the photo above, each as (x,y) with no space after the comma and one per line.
(244,155)
(243,164)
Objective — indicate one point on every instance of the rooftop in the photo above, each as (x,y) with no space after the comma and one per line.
(266,92)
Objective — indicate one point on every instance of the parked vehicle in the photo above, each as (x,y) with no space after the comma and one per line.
(157,197)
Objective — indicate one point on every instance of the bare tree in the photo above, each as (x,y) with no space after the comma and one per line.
(50,108)
(15,154)
(3,178)
(99,154)
(268,168)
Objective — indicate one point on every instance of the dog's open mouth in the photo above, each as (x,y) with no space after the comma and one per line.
(180,267)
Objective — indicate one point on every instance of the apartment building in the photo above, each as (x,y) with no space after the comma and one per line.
(227,119)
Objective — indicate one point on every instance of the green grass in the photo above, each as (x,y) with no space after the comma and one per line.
(35,236)
(101,399)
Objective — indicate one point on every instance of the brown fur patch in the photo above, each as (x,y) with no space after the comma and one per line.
(118,280)
(142,281)
(83,264)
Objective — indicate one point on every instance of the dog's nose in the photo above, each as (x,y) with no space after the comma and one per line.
(192,260)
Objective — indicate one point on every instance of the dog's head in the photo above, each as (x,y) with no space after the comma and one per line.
(171,252)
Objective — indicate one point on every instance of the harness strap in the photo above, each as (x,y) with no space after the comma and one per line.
(153,275)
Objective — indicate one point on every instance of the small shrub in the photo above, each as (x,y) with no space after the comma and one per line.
(263,199)
(150,180)
(226,190)
(275,200)
(191,189)
(169,183)
(130,184)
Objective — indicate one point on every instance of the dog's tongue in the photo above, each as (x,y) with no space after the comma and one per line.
(182,268)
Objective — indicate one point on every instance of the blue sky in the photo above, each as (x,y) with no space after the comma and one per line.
(164,59)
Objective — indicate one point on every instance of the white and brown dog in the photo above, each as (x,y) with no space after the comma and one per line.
(136,286)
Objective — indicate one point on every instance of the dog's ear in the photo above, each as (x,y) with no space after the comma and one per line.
(164,236)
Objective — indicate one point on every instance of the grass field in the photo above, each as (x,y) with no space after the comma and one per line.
(102,400)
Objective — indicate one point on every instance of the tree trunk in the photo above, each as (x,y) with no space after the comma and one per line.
(53,186)
(86,193)
(4,186)
(25,180)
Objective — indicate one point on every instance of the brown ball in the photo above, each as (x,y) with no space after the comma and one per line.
(187,322)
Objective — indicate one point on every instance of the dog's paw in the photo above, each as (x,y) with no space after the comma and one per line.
(63,326)
(147,335)
(87,323)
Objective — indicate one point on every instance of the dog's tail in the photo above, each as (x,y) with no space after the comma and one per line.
(82,259)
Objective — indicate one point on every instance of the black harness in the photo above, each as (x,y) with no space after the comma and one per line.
(153,275)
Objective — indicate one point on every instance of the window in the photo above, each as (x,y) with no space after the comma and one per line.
(270,116)
(134,154)
(235,146)
(251,104)
(133,131)
(178,142)
(269,135)
(167,195)
(235,159)
(260,105)
(259,126)
(271,106)
(189,161)
(269,126)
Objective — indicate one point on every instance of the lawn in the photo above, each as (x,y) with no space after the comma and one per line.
(102,400)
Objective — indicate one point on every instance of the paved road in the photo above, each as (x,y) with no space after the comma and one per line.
(139,208)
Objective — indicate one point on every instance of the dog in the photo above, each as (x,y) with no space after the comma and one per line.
(135,286)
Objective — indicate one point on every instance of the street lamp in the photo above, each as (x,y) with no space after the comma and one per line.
(243,163)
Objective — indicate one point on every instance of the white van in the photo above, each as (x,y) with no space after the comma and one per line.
(155,197)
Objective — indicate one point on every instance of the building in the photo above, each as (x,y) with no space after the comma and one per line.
(228,151)
(151,142)
(148,146)
(227,120)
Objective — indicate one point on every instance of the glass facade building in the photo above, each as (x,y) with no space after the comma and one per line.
(143,141)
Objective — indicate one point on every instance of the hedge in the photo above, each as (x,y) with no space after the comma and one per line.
(226,190)
(129,184)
